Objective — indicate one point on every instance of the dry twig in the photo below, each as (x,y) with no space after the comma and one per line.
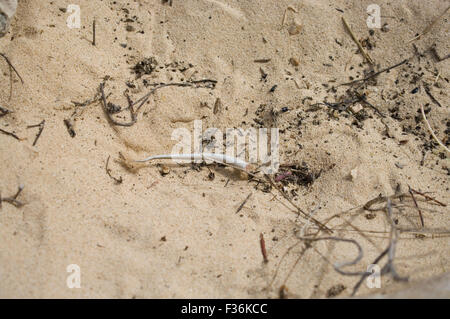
(431,130)
(13,199)
(429,27)
(361,49)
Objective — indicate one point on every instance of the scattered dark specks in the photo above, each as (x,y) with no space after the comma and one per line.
(273,88)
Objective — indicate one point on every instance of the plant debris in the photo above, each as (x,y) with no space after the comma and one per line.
(41,128)
(13,199)
(145,67)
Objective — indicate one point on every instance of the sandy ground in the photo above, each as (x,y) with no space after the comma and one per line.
(178,235)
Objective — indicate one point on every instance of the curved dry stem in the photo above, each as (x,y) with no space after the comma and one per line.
(338,266)
(431,130)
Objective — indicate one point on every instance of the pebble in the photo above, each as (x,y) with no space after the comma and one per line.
(165,170)
(294,61)
(295,28)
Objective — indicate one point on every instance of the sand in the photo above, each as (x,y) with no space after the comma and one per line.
(178,235)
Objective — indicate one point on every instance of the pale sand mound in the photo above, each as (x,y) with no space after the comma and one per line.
(179,235)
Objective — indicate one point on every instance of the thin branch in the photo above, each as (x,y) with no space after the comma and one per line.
(377,73)
(366,274)
(417,206)
(389,267)
(108,115)
(427,90)
(12,66)
(363,52)
(41,128)
(429,198)
(10,134)
(206,83)
(13,199)
(243,203)
(299,210)
(429,27)
(108,172)
(338,266)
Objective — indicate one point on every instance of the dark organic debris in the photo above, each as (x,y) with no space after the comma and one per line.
(108,172)
(262,243)
(69,127)
(146,66)
(374,74)
(113,108)
(79,107)
(41,128)
(217,106)
(133,109)
(427,90)
(243,203)
(13,199)
(10,134)
(335,290)
(262,60)
(4,111)
(297,174)
(11,66)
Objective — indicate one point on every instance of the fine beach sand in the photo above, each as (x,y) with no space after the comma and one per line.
(178,235)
